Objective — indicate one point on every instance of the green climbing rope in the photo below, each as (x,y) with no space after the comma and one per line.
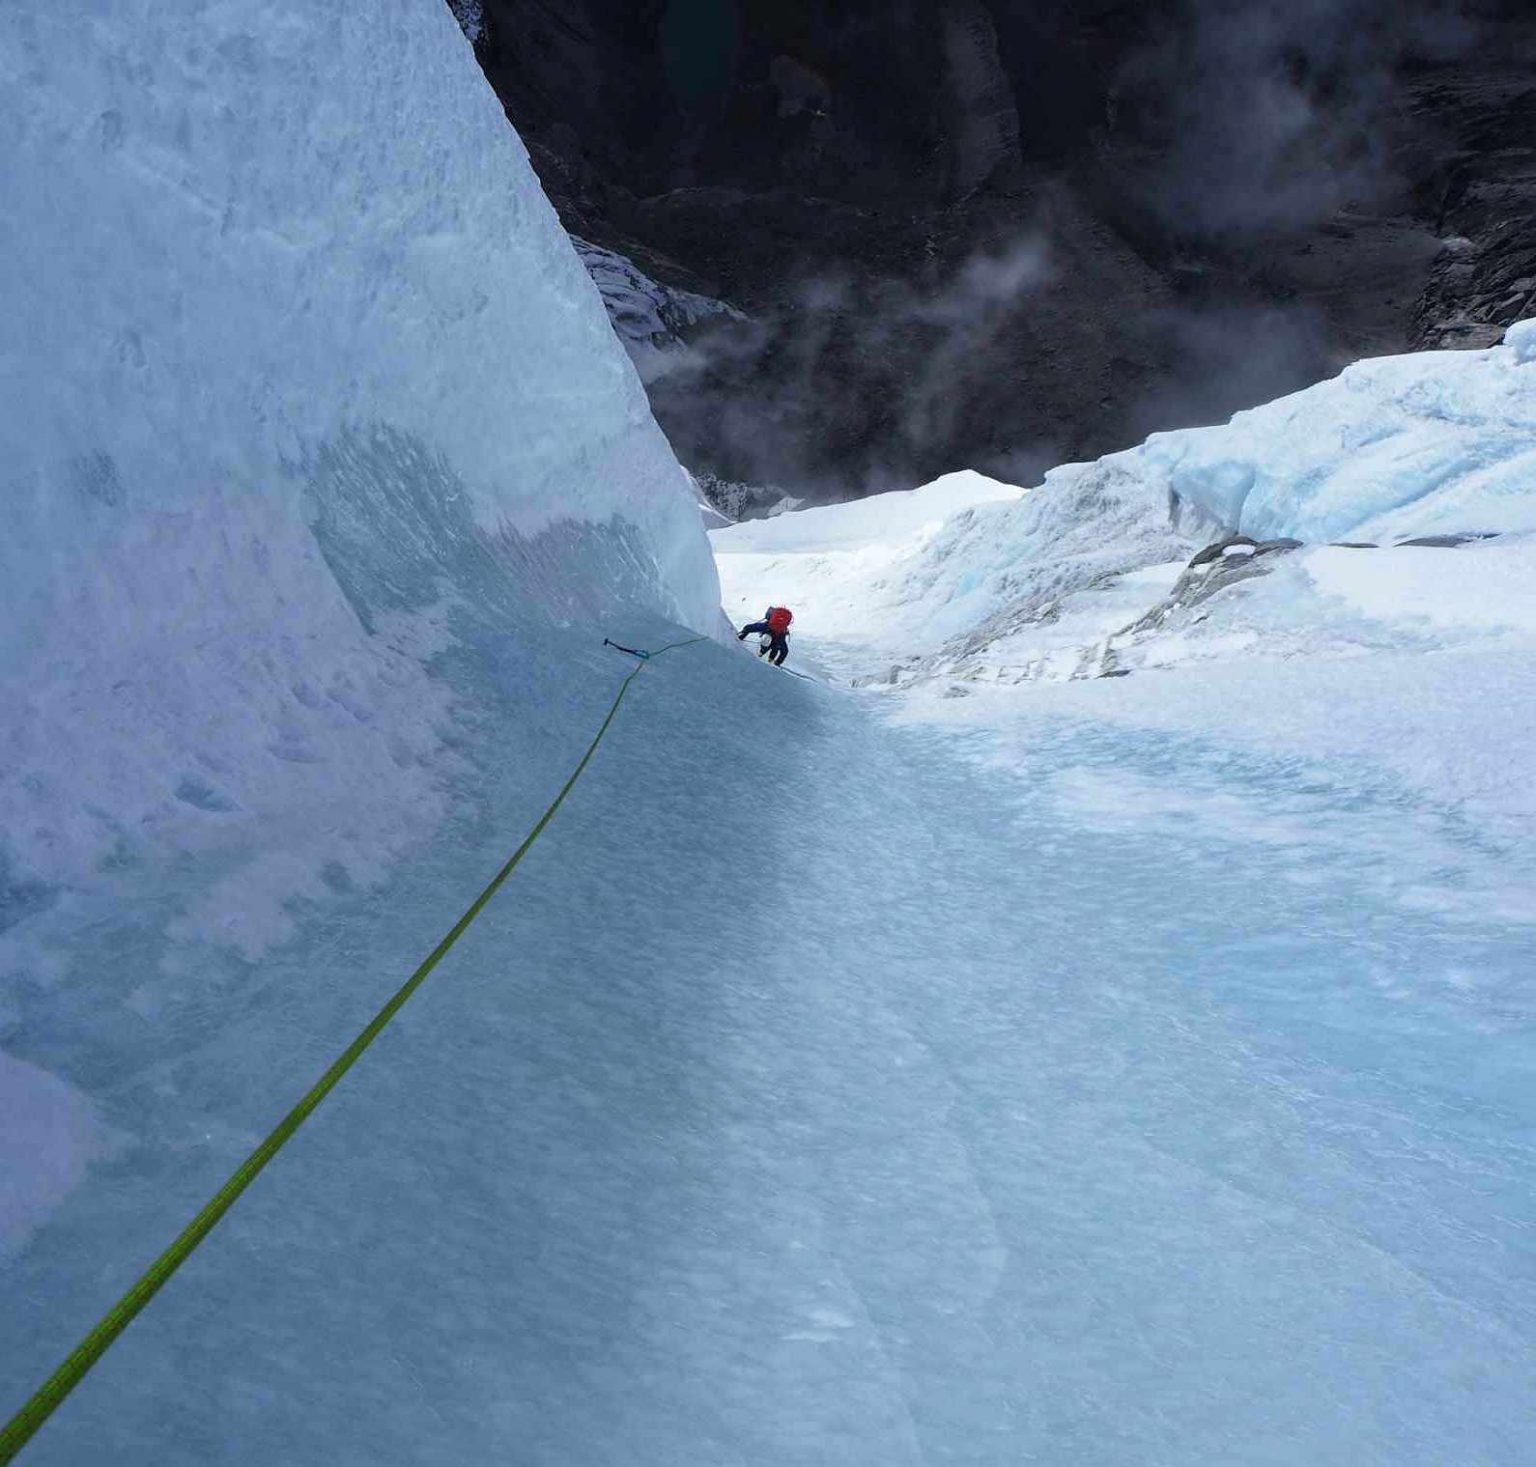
(20,1429)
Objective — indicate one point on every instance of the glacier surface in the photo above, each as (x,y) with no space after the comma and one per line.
(1296,779)
(1076,1069)
(1392,448)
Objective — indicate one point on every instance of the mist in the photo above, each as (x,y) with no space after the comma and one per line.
(851,380)
(1087,223)
(1271,115)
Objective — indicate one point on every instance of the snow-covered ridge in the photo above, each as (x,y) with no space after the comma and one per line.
(1428,444)
(1041,582)
(651,319)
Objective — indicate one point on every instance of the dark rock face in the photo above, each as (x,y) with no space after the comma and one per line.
(1449,542)
(1481,186)
(1007,233)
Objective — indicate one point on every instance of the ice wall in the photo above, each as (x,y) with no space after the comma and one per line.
(293,350)
(317,456)
(1393,447)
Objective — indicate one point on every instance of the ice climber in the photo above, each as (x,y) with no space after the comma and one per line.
(774,626)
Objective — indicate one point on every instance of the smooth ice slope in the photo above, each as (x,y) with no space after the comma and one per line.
(815,1096)
(1266,978)
(305,395)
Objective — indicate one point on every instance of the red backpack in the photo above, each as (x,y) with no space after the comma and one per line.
(779,618)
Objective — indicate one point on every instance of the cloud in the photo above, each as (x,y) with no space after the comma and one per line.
(852,381)
(1269,115)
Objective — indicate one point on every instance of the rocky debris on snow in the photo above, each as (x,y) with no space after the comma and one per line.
(1217,567)
(1032,611)
(1220,565)
(1448,542)
(737,502)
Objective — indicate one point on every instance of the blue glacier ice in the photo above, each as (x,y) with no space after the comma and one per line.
(1085,1080)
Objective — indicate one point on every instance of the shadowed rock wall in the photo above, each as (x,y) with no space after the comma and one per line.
(1004,233)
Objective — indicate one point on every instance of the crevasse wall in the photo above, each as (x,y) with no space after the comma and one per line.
(296,366)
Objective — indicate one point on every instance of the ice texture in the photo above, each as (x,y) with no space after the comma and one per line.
(1094,1072)
(266,277)
(1393,447)
(305,394)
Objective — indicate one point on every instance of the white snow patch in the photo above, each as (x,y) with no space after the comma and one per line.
(1521,339)
(1489,587)
(900,518)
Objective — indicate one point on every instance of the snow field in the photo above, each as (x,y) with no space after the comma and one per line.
(1310,812)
